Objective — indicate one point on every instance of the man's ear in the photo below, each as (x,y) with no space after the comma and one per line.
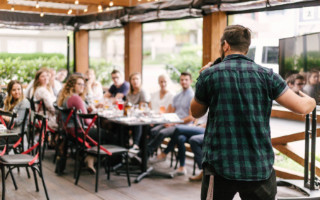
(226,46)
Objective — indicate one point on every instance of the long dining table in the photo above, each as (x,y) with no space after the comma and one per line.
(145,122)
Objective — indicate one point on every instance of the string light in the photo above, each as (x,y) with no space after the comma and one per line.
(76,2)
(111,3)
(37,5)
(12,8)
(107,9)
(70,11)
(41,14)
(85,10)
(100,8)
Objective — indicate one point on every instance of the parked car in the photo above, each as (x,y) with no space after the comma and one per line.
(265,52)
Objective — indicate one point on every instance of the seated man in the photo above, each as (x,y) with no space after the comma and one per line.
(196,142)
(181,106)
(296,82)
(183,134)
(119,89)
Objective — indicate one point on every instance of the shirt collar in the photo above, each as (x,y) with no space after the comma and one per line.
(236,56)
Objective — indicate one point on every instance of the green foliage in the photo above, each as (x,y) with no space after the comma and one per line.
(30,56)
(102,69)
(188,60)
(24,70)
(297,63)
(287,163)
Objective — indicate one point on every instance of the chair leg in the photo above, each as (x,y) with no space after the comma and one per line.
(78,173)
(177,158)
(13,179)
(171,160)
(97,173)
(109,166)
(127,168)
(3,182)
(194,167)
(27,170)
(35,179)
(43,183)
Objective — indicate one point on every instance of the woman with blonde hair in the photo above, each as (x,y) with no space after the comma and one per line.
(43,91)
(137,96)
(15,102)
(94,88)
(161,100)
(72,96)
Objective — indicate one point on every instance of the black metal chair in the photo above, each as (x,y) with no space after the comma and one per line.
(99,151)
(26,160)
(66,139)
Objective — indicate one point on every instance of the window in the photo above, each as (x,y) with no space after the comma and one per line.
(270,55)
(251,53)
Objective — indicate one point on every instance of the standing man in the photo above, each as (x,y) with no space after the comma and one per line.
(237,147)
(119,88)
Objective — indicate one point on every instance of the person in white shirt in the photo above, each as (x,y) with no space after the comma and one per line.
(94,88)
(162,99)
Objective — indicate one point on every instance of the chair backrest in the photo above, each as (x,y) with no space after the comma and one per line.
(8,114)
(65,116)
(38,105)
(40,118)
(25,121)
(84,129)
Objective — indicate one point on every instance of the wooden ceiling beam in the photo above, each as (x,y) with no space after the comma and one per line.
(92,6)
(33,9)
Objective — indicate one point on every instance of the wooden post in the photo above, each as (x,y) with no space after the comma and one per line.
(213,26)
(81,51)
(133,49)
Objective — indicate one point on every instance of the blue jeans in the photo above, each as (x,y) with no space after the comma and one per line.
(181,135)
(196,142)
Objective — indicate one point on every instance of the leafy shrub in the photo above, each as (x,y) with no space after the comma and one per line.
(188,60)
(23,67)
(102,69)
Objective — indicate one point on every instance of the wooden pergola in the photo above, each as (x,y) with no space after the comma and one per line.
(131,14)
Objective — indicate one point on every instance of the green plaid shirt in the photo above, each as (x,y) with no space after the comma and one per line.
(239,94)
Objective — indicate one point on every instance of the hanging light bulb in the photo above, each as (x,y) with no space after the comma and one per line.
(37,5)
(139,0)
(107,9)
(76,2)
(70,11)
(12,8)
(111,3)
(41,14)
(100,8)
(85,10)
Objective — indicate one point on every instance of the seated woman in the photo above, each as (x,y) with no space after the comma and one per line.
(94,88)
(162,99)
(43,91)
(15,102)
(311,88)
(137,96)
(184,133)
(72,96)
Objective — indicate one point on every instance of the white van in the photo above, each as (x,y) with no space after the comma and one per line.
(265,52)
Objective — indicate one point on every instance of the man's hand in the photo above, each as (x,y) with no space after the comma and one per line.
(205,67)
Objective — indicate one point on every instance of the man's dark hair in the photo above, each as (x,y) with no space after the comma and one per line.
(115,71)
(293,77)
(238,37)
(186,74)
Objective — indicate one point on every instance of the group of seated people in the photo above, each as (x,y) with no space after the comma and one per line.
(308,82)
(81,91)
